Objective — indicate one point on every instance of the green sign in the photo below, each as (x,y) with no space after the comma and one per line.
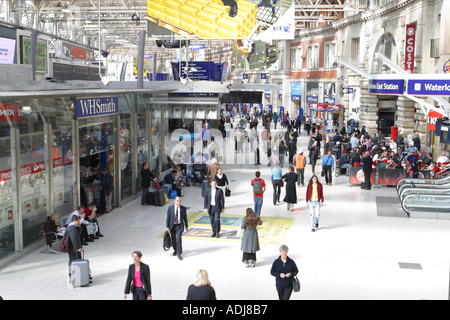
(41,54)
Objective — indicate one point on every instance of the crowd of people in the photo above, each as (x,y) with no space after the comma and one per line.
(350,147)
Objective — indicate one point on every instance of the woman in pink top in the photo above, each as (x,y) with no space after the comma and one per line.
(138,281)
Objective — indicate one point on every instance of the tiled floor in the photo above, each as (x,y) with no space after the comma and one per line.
(355,253)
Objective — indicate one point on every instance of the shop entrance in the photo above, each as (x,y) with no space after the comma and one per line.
(96,149)
(386,116)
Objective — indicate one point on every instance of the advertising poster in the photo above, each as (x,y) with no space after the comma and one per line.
(221,19)
(7,50)
(41,53)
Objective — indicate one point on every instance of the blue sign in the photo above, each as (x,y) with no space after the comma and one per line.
(245,76)
(312,99)
(198,70)
(90,107)
(296,98)
(296,88)
(429,87)
(386,86)
(263,76)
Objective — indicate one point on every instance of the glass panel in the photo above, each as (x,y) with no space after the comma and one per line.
(33,180)
(7,242)
(126,156)
(156,139)
(63,179)
(96,151)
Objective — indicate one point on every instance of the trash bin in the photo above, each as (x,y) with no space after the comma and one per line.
(394,132)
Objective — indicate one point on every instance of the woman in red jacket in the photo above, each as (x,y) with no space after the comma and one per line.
(314,199)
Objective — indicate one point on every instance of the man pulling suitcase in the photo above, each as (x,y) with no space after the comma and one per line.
(79,273)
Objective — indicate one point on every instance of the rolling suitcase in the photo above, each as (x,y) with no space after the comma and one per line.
(80,273)
(160,197)
(150,197)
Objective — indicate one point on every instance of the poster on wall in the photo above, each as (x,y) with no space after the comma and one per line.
(221,19)
(41,53)
(7,50)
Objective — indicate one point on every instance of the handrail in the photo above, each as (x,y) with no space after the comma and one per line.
(412,181)
(416,187)
(441,208)
(425,191)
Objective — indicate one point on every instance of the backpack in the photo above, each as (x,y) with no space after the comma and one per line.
(257,187)
(66,245)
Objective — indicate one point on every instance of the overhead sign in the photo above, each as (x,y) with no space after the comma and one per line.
(90,107)
(221,19)
(429,87)
(67,50)
(387,86)
(410,47)
(197,70)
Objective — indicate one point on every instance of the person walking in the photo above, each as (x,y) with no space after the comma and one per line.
(314,199)
(284,270)
(222,182)
(256,151)
(291,193)
(276,183)
(300,164)
(214,206)
(282,152)
(292,148)
(201,289)
(328,167)
(313,154)
(176,222)
(138,280)
(259,187)
(250,239)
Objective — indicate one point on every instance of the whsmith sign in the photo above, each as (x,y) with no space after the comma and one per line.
(91,107)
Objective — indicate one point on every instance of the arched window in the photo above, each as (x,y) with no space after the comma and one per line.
(388,48)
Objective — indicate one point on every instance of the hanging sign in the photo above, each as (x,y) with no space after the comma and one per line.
(410,47)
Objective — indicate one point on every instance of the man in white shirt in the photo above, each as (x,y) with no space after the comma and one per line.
(83,223)
(214,206)
(442,159)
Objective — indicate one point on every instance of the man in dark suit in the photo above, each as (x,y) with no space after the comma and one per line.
(176,221)
(214,206)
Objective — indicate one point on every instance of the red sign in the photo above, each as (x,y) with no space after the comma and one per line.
(432,117)
(10,112)
(410,47)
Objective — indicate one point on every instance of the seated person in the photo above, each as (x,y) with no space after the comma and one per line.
(169,183)
(442,159)
(83,234)
(90,213)
(345,163)
(51,227)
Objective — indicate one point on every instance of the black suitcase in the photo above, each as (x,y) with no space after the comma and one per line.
(150,198)
(160,197)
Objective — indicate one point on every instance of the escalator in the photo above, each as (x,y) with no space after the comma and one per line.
(425,198)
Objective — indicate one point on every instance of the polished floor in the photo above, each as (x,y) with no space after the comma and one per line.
(365,248)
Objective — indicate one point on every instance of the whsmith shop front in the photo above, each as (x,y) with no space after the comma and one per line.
(53,144)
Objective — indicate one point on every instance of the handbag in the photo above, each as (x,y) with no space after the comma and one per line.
(296,284)
(227,192)
(322,174)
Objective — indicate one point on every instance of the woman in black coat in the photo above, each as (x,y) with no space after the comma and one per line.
(291,192)
(138,281)
(201,289)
